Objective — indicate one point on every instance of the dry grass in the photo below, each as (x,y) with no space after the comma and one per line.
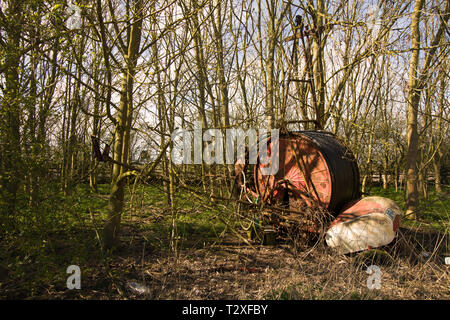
(234,270)
(228,267)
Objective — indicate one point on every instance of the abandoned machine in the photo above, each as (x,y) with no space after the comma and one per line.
(316,190)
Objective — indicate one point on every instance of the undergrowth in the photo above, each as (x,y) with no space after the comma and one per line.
(36,247)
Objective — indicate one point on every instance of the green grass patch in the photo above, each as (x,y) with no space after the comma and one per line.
(434,211)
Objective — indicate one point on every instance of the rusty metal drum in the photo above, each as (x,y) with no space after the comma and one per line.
(315,168)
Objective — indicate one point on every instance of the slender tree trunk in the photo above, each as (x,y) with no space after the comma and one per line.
(201,82)
(122,131)
(72,142)
(385,172)
(438,136)
(96,129)
(417,81)
(396,178)
(33,150)
(223,85)
(412,195)
(368,173)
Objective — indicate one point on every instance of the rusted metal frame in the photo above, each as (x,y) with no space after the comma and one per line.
(316,123)
(309,68)
(294,219)
(271,207)
(308,59)
(291,67)
(274,207)
(275,215)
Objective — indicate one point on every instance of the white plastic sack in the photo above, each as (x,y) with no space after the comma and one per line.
(368,223)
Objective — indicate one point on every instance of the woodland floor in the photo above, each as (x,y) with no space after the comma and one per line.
(210,263)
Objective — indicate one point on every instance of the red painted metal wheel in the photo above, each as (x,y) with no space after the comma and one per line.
(315,168)
(316,171)
(303,173)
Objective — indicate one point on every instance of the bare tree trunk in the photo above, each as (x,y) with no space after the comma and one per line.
(201,82)
(412,196)
(72,141)
(33,150)
(96,129)
(385,172)
(438,135)
(123,128)
(396,178)
(417,81)
(223,84)
(368,168)
(273,33)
